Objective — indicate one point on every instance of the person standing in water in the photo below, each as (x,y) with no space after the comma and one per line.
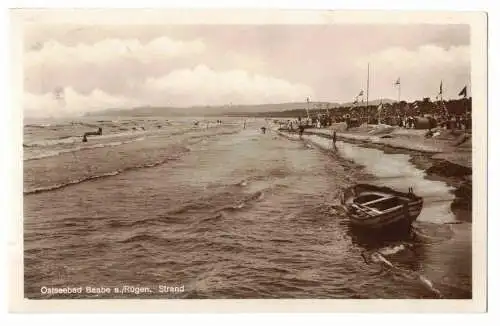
(301,130)
(92,133)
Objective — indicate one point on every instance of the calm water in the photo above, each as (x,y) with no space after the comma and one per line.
(223,211)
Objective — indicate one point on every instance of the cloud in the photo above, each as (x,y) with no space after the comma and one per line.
(54,53)
(109,65)
(102,66)
(420,70)
(71,103)
(202,85)
(181,87)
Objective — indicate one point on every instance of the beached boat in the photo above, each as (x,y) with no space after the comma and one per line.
(381,208)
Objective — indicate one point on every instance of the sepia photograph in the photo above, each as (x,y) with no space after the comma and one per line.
(328,156)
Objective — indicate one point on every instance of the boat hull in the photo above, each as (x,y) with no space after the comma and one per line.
(400,230)
(395,219)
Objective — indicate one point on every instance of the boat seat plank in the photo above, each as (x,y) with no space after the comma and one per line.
(378,200)
(368,210)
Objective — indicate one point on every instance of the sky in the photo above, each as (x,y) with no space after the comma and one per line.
(117,66)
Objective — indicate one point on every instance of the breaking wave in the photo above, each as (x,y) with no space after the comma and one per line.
(80,148)
(65,140)
(95,177)
(381,257)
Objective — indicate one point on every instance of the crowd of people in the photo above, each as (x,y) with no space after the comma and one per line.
(428,116)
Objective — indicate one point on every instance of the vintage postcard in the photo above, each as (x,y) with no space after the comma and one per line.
(260,160)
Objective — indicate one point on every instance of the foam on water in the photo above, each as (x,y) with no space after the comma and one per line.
(50,153)
(64,140)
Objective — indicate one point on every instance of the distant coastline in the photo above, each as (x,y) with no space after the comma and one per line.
(226,110)
(280,110)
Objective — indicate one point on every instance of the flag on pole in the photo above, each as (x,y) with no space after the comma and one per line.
(463,92)
(398,82)
(441,88)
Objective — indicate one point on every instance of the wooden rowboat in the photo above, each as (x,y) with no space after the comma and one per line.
(381,208)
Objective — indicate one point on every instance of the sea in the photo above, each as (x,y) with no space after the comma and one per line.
(180,208)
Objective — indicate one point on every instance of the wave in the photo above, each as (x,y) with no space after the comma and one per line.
(131,223)
(96,177)
(189,207)
(81,148)
(231,207)
(394,249)
(129,131)
(257,196)
(72,182)
(209,133)
(66,137)
(86,124)
(55,141)
(139,238)
(214,217)
(381,257)
(432,233)
(95,124)
(63,124)
(41,125)
(70,139)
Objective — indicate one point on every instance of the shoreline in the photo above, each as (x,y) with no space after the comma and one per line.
(438,157)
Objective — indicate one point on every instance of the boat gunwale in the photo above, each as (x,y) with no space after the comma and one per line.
(381,218)
(360,187)
(362,215)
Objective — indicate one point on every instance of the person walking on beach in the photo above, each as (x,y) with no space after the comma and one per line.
(334,139)
(301,130)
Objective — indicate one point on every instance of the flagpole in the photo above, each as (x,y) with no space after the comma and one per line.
(465,99)
(442,103)
(368,85)
(441,92)
(466,105)
(307,107)
(399,91)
